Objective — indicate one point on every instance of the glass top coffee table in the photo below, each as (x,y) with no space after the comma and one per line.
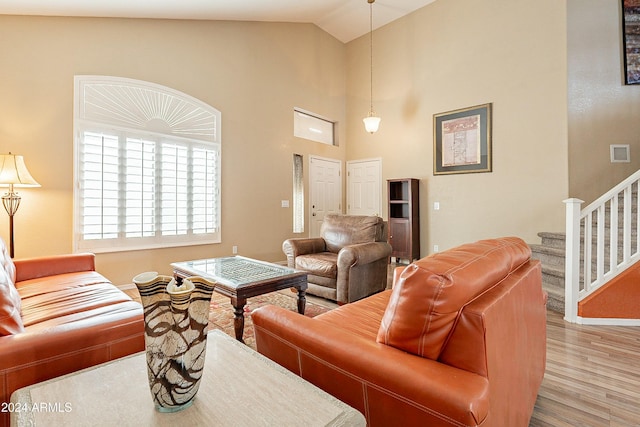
(240,278)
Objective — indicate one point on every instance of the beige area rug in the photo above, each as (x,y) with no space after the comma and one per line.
(221,314)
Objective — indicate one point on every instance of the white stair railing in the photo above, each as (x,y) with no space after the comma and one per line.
(601,241)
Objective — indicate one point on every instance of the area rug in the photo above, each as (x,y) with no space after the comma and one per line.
(221,315)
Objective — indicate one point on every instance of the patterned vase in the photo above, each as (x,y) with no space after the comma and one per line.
(175,334)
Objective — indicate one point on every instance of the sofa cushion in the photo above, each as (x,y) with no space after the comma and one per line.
(430,293)
(361,318)
(339,231)
(63,295)
(323,264)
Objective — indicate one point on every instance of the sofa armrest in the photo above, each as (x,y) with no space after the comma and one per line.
(39,346)
(363,253)
(302,246)
(362,270)
(87,339)
(367,375)
(33,268)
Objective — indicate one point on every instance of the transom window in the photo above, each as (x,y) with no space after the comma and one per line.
(147,167)
(311,126)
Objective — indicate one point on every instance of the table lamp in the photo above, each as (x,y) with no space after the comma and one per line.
(13,173)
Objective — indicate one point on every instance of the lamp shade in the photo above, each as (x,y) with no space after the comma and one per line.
(371,123)
(14,172)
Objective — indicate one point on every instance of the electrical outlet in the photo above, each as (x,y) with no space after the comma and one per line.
(234,249)
(436,248)
(436,206)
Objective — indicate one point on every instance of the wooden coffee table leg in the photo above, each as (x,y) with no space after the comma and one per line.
(302,300)
(238,317)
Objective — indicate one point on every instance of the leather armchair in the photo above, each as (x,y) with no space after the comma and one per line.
(347,262)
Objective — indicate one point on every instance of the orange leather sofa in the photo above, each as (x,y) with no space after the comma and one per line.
(58,315)
(460,340)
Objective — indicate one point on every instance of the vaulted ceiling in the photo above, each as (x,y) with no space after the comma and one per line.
(344,19)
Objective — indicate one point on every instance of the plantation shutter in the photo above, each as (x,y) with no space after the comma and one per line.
(138,188)
(100,192)
(147,166)
(205,194)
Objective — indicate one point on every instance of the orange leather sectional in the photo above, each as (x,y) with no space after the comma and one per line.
(460,340)
(58,315)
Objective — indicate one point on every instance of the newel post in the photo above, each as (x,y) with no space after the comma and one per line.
(572,262)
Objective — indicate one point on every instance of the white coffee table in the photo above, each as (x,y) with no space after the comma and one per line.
(240,387)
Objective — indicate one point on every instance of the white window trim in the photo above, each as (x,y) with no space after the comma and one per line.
(100,104)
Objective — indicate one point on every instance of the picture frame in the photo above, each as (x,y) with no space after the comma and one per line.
(631,41)
(462,141)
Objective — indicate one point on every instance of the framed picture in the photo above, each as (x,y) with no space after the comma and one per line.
(462,141)
(631,38)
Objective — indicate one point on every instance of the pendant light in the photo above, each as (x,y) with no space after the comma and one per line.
(371,122)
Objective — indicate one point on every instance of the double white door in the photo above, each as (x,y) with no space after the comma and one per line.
(364,189)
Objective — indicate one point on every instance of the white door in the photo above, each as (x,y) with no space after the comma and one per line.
(364,187)
(325,188)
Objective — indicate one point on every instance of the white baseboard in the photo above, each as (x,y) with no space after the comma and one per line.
(594,321)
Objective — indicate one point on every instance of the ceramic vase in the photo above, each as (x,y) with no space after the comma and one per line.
(175,334)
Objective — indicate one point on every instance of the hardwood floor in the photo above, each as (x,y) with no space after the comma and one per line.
(592,376)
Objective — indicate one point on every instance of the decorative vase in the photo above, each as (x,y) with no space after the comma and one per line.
(175,335)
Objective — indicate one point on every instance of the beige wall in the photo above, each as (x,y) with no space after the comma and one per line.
(602,109)
(254,73)
(449,55)
(459,53)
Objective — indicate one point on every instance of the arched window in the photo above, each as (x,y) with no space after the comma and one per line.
(147,166)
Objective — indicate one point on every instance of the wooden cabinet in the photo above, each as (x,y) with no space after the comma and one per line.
(404,218)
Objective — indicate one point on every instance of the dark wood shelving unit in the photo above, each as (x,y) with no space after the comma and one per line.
(404,218)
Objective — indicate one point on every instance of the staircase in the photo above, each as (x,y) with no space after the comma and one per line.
(551,253)
(604,242)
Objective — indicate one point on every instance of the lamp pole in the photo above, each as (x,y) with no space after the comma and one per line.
(11,202)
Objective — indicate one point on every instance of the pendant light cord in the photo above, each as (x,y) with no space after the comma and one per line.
(371,122)
(371,53)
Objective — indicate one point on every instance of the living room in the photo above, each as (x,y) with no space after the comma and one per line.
(551,69)
(255,73)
